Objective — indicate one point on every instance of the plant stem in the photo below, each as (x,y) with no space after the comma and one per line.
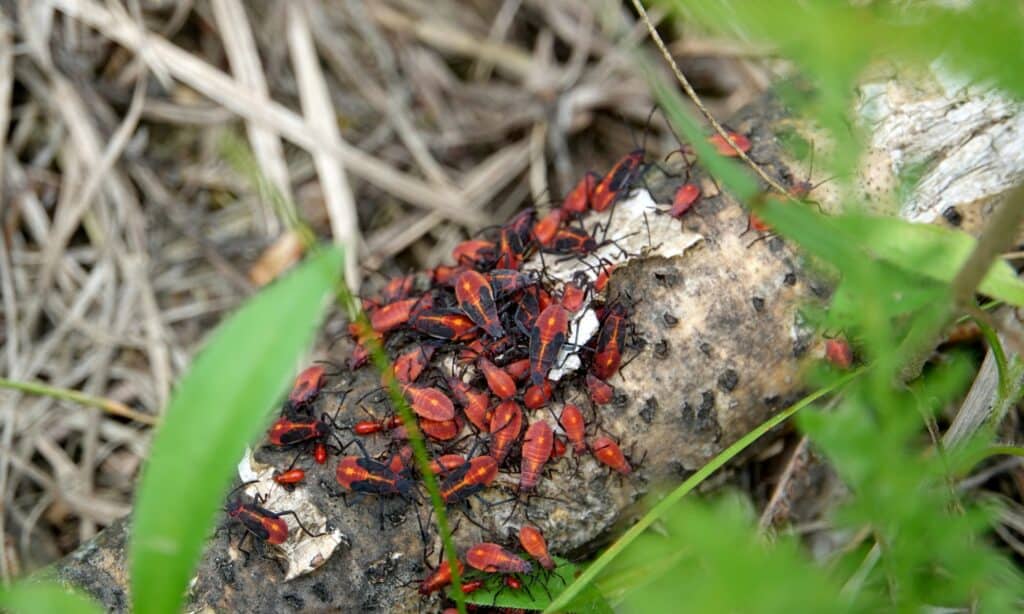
(659,510)
(692,94)
(110,406)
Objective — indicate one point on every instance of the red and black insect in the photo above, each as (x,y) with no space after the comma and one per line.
(536,397)
(518,369)
(492,558)
(608,352)
(364,428)
(569,240)
(430,403)
(443,275)
(439,578)
(536,451)
(684,198)
(410,364)
(475,403)
(320,453)
(602,278)
(520,228)
(307,386)
(509,256)
(839,353)
(362,334)
(578,200)
(266,525)
(608,452)
(500,383)
(507,281)
(600,392)
(443,430)
(446,463)
(259,521)
(545,229)
(468,479)
(617,182)
(398,288)
(724,148)
(393,315)
(757,224)
(365,475)
(286,432)
(474,252)
(448,324)
(533,542)
(558,449)
(546,339)
(506,423)
(527,307)
(572,423)
(573,296)
(291,476)
(400,462)
(476,299)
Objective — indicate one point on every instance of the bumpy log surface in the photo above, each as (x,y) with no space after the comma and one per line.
(717,347)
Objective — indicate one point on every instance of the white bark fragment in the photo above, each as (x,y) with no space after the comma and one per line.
(301,552)
(966,138)
(640,228)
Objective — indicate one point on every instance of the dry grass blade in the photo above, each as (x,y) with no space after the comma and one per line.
(227,92)
(510,60)
(245,63)
(6,85)
(319,112)
(109,406)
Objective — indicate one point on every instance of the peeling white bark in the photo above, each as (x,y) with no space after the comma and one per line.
(967,139)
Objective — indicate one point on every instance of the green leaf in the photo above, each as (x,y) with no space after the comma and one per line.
(45,597)
(928,250)
(538,587)
(932,251)
(720,564)
(220,405)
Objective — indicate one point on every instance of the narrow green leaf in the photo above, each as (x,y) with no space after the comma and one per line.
(933,251)
(219,406)
(658,511)
(927,250)
(45,598)
(539,586)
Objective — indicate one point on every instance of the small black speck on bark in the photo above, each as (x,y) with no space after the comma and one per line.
(728,379)
(649,409)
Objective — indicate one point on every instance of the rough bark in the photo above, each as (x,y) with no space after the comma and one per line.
(718,347)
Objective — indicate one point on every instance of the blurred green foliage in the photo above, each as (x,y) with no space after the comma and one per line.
(920,543)
(29,597)
(217,409)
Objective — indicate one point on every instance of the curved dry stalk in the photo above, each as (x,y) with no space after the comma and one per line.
(114,408)
(692,94)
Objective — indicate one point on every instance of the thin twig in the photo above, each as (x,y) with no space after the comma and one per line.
(692,94)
